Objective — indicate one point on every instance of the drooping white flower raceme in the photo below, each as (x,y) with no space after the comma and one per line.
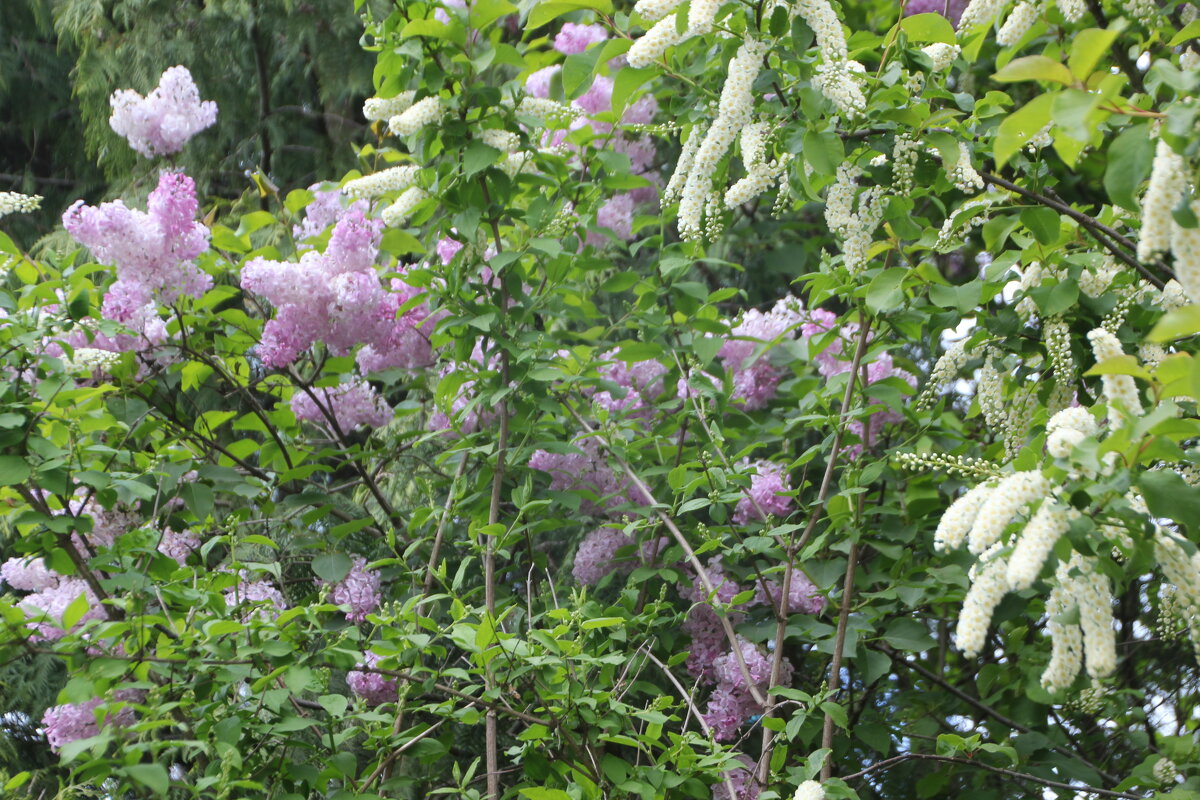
(652,44)
(958,519)
(760,172)
(809,790)
(989,584)
(837,78)
(941,54)
(1007,500)
(1120,391)
(683,167)
(855,226)
(1185,246)
(392,179)
(1035,542)
(397,213)
(17,203)
(963,175)
(421,113)
(733,113)
(1168,178)
(1066,640)
(655,10)
(376,109)
(1019,21)
(945,370)
(980,12)
(1094,596)
(1072,10)
(701,14)
(1068,428)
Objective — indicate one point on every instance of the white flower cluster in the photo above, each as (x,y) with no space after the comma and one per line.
(92,360)
(1066,640)
(963,175)
(1068,428)
(809,790)
(941,54)
(392,179)
(1151,355)
(837,77)
(1018,419)
(1019,21)
(548,111)
(1189,60)
(1095,282)
(651,45)
(965,216)
(502,140)
(1092,593)
(655,10)
(17,203)
(855,227)
(1141,10)
(945,370)
(760,172)
(733,113)
(988,587)
(421,113)
(1165,770)
(377,108)
(1168,178)
(1056,337)
(958,519)
(1185,245)
(1031,278)
(964,466)
(683,167)
(1035,542)
(989,393)
(1010,496)
(1120,391)
(701,14)
(980,12)
(1172,296)
(1072,10)
(397,213)
(1040,139)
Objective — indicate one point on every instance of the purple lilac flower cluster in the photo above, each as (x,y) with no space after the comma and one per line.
(767,495)
(153,251)
(359,590)
(371,686)
(616,214)
(161,123)
(73,721)
(351,404)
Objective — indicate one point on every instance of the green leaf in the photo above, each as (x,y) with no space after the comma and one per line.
(545,12)
(908,634)
(1020,126)
(542,793)
(484,12)
(1087,48)
(17,781)
(331,567)
(13,470)
(602,622)
(1043,223)
(885,292)
(1190,31)
(1167,495)
(1177,324)
(152,776)
(478,157)
(1034,68)
(254,221)
(1120,365)
(928,28)
(335,704)
(577,71)
(824,151)
(1129,159)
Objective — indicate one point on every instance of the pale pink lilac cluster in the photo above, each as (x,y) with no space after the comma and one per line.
(349,405)
(596,555)
(950,9)
(617,212)
(371,686)
(741,779)
(639,384)
(162,122)
(71,722)
(28,574)
(266,600)
(178,544)
(756,379)
(47,606)
(326,208)
(359,590)
(767,494)
(465,415)
(337,297)
(153,251)
(575,38)
(586,470)
(803,595)
(731,704)
(703,623)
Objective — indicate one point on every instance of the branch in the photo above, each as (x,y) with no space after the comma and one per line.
(1022,776)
